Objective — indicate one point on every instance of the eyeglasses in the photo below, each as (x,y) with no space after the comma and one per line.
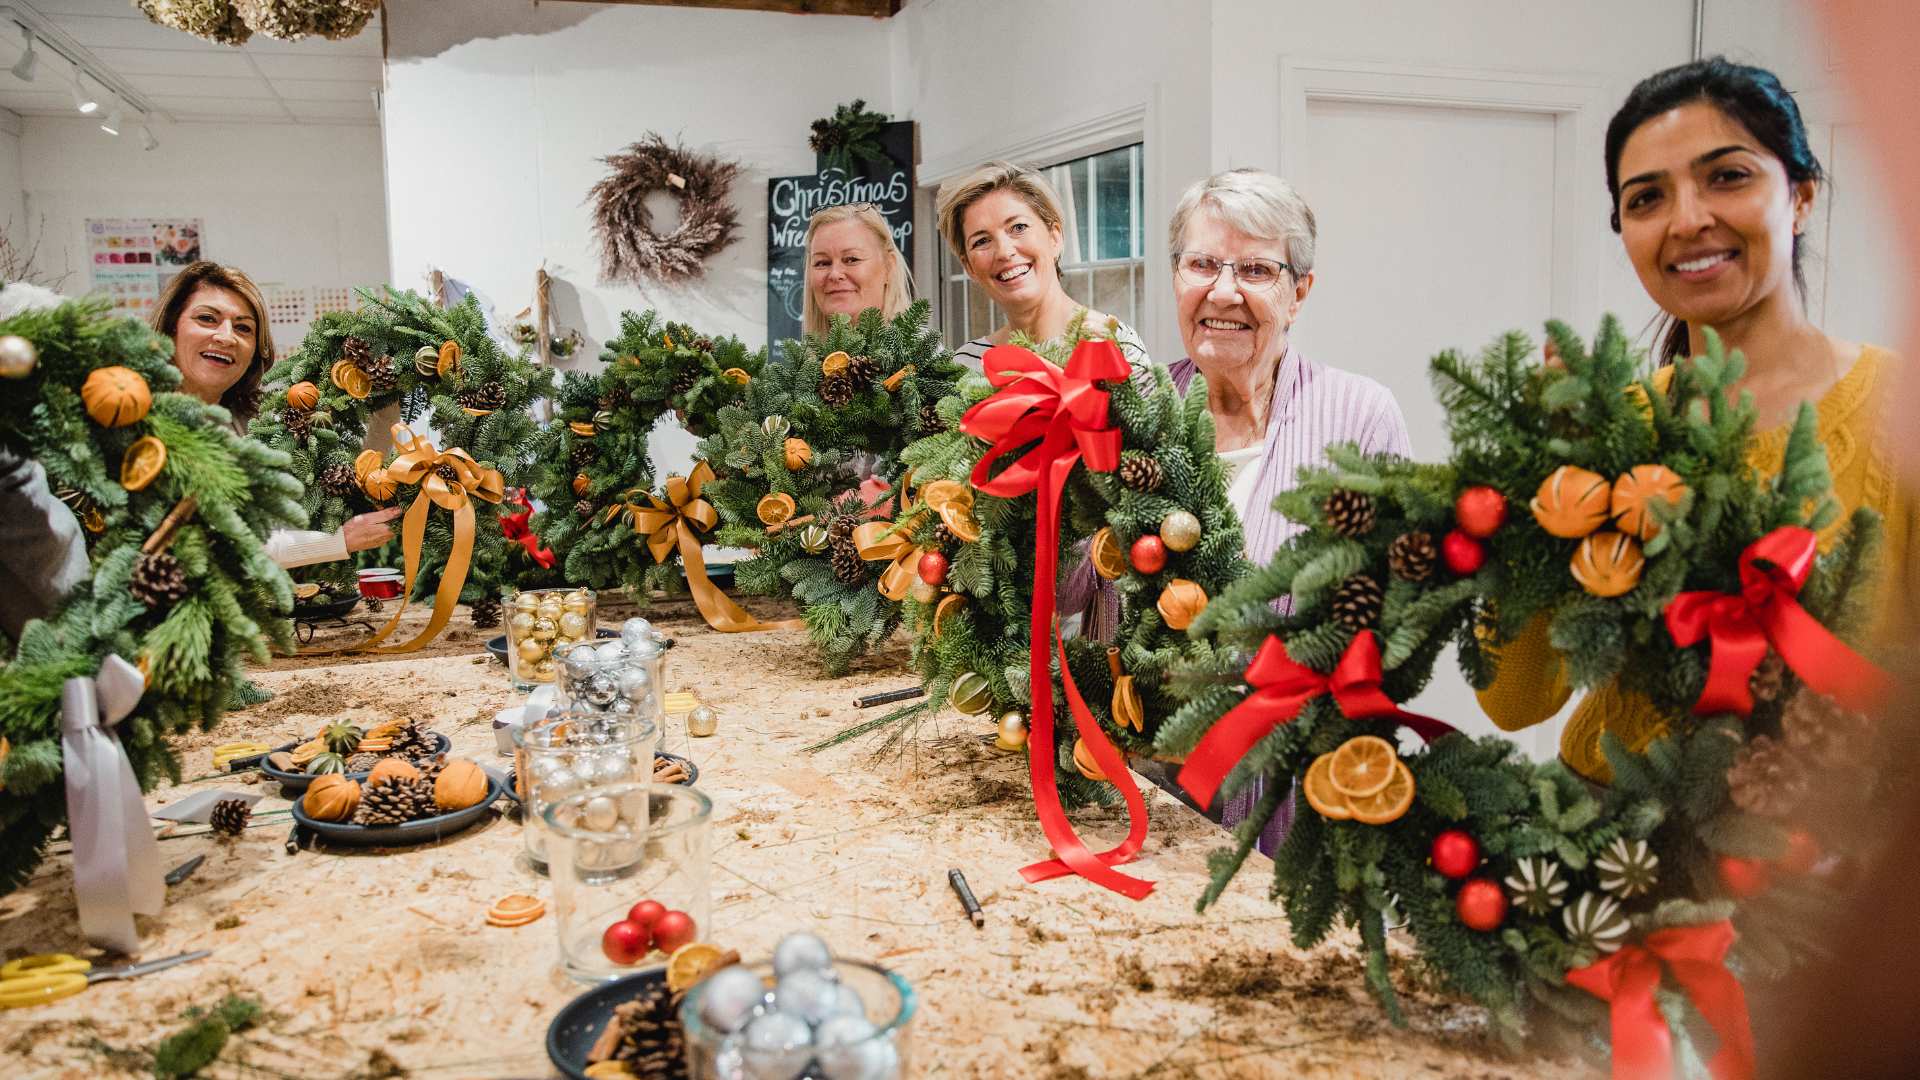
(1200,269)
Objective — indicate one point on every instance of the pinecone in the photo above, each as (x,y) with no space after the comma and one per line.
(490,395)
(703,344)
(299,424)
(357,352)
(1356,603)
(943,537)
(863,369)
(683,381)
(411,743)
(363,762)
(1768,679)
(1141,473)
(485,613)
(836,392)
(847,565)
(338,479)
(230,816)
(580,456)
(1411,556)
(645,1034)
(1767,778)
(393,801)
(1819,728)
(447,472)
(618,398)
(585,507)
(381,375)
(431,768)
(930,421)
(1349,513)
(157,580)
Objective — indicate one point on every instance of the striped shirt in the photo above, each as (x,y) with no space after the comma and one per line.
(1314,407)
(972,354)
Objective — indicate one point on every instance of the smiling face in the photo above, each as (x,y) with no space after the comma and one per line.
(214,341)
(1708,216)
(1011,253)
(846,268)
(1223,325)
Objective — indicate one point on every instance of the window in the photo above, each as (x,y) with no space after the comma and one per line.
(1104,264)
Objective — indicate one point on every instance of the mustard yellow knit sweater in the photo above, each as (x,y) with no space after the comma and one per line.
(1532,683)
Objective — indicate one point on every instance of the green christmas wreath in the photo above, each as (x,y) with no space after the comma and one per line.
(813,449)
(437,365)
(171,476)
(1642,534)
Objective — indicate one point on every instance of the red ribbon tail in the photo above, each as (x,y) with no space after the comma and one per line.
(1823,661)
(1642,1044)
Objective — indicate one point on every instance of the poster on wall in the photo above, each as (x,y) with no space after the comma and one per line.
(792,200)
(132,259)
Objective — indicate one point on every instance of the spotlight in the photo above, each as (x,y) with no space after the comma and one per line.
(23,67)
(147,141)
(81,99)
(111,125)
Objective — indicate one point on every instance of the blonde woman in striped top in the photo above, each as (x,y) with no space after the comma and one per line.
(1243,244)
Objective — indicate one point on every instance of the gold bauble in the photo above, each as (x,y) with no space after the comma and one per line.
(814,538)
(521,624)
(116,396)
(776,426)
(460,785)
(525,601)
(971,694)
(1181,602)
(18,357)
(1180,531)
(1608,563)
(303,396)
(573,624)
(1109,561)
(544,628)
(426,361)
(1638,487)
(331,797)
(798,454)
(924,591)
(1572,502)
(1011,733)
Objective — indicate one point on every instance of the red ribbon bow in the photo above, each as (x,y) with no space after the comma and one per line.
(1696,957)
(1764,612)
(519,529)
(1282,686)
(1066,412)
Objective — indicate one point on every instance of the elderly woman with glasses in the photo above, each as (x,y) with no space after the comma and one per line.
(1243,245)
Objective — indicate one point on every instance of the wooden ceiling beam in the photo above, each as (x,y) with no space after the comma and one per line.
(877,9)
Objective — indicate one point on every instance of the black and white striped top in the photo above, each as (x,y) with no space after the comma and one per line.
(971,354)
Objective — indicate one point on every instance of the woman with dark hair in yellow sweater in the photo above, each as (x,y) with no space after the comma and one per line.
(1713,184)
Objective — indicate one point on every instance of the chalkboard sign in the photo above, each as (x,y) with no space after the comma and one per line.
(792,200)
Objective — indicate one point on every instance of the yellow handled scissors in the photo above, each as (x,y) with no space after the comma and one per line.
(36,980)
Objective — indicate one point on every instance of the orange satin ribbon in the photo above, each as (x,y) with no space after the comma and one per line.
(419,463)
(870,539)
(677,521)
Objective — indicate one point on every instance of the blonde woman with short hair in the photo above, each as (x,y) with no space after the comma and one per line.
(1003,222)
(852,265)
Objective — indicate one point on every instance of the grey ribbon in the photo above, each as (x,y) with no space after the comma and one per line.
(116,863)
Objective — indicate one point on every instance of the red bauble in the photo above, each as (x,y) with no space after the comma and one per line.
(647,913)
(933,568)
(626,942)
(1480,511)
(1149,554)
(1462,553)
(672,930)
(1455,853)
(1803,851)
(1481,905)
(1744,877)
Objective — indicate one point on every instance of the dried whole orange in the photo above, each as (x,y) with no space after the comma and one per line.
(1362,766)
(1317,785)
(142,462)
(775,508)
(1389,802)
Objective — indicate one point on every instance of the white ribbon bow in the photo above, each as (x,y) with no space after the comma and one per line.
(116,863)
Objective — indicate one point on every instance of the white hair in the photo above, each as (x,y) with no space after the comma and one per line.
(1255,202)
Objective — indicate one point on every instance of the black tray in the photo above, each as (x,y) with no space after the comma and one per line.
(328,609)
(298,781)
(423,831)
(580,1021)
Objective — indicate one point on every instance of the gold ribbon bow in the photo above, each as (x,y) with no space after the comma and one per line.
(677,521)
(450,479)
(871,540)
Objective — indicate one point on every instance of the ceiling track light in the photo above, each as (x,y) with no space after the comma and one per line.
(111,125)
(147,141)
(23,67)
(81,99)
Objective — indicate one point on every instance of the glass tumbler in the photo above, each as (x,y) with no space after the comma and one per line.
(866,1031)
(570,751)
(613,847)
(611,677)
(540,622)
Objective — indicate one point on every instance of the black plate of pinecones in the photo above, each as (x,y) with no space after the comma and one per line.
(423,830)
(298,781)
(649,1038)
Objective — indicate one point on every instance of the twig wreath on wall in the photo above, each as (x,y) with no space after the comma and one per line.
(232,22)
(631,249)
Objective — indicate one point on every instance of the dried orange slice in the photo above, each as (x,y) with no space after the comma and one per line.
(476,412)
(1318,788)
(515,909)
(1362,766)
(610,1070)
(835,363)
(1083,760)
(582,429)
(307,751)
(1389,802)
(142,462)
(306,590)
(691,962)
(449,363)
(351,379)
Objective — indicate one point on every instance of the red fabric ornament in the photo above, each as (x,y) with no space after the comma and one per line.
(1481,905)
(1744,877)
(1455,853)
(933,568)
(1148,554)
(626,942)
(1803,851)
(1480,511)
(1462,553)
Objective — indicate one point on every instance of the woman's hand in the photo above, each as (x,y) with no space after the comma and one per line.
(369,530)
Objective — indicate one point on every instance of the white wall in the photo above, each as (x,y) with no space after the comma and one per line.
(13,206)
(495,122)
(289,204)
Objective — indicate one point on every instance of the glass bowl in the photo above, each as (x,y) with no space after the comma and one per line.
(886,1003)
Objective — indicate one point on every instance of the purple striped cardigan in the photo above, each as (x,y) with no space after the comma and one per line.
(1314,407)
